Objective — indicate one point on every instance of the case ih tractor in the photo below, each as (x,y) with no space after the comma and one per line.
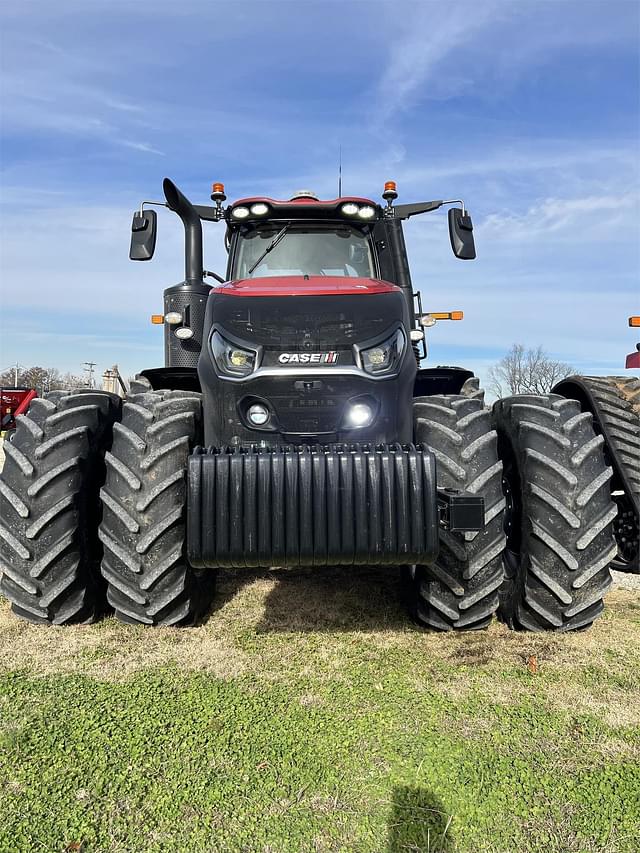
(293,425)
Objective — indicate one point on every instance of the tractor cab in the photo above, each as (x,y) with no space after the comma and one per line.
(302,237)
(314,335)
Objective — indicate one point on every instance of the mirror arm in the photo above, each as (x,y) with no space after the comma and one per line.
(155,203)
(457,201)
(208,213)
(404,211)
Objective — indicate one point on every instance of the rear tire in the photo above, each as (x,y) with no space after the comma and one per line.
(460,590)
(49,507)
(618,399)
(559,514)
(144,499)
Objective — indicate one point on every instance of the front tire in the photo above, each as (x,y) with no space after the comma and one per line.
(144,499)
(460,590)
(49,507)
(559,516)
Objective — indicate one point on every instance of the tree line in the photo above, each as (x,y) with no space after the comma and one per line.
(43,379)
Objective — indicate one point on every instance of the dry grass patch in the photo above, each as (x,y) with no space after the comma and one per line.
(112,651)
(318,627)
(283,625)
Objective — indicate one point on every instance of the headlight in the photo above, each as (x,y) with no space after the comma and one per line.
(231,359)
(367,212)
(257,414)
(240,212)
(364,211)
(259,209)
(384,357)
(359,415)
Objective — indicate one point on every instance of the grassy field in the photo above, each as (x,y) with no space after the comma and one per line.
(306,714)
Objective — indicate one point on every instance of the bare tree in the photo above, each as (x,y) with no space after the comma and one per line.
(527,371)
(35,377)
(7,378)
(72,381)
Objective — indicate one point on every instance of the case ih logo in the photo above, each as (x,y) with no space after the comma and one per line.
(308,357)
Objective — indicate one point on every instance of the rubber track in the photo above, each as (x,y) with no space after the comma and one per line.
(49,551)
(615,404)
(143,530)
(566,543)
(460,590)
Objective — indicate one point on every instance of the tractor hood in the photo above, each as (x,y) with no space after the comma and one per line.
(306,313)
(308,285)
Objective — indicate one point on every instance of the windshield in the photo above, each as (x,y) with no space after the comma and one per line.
(303,249)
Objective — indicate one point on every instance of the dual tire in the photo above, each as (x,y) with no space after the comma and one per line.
(92,505)
(541,563)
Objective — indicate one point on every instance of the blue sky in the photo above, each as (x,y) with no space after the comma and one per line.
(530,111)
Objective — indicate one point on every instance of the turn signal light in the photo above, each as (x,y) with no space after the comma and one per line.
(447,315)
(634,321)
(157,319)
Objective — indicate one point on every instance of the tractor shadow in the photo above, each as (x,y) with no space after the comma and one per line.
(418,822)
(345,598)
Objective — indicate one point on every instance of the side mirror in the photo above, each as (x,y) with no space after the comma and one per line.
(143,235)
(461,234)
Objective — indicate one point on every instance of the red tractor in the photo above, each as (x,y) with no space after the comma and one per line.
(294,424)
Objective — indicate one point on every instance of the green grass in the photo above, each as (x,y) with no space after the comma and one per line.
(306,715)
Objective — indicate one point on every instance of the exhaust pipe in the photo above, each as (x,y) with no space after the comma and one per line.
(180,204)
(189,298)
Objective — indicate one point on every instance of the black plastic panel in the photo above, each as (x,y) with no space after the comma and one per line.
(312,506)
(191,302)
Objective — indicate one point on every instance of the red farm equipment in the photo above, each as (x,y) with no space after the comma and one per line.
(295,424)
(13,402)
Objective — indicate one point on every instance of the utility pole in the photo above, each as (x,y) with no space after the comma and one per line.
(88,368)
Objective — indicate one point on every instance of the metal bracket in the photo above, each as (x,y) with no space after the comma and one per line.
(460,511)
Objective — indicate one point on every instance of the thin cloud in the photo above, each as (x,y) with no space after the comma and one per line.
(433,33)
(594,216)
(141,146)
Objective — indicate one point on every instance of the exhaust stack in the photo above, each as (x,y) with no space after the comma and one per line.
(189,298)
(180,204)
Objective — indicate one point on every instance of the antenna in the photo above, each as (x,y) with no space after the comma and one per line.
(340,174)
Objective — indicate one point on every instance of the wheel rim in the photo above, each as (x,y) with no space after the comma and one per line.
(626,532)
